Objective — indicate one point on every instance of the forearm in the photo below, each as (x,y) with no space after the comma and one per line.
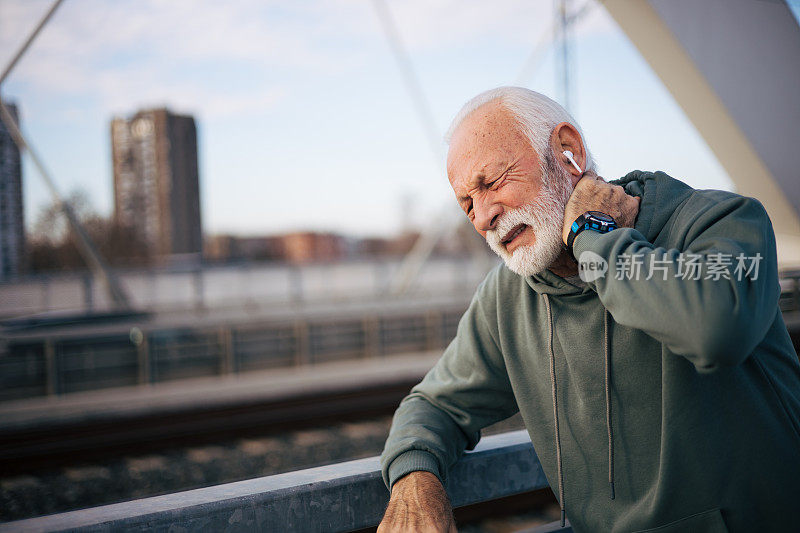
(465,391)
(712,320)
(422,438)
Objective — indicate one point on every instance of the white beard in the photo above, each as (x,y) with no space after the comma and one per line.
(545,216)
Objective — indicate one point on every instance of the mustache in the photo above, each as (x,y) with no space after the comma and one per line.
(533,215)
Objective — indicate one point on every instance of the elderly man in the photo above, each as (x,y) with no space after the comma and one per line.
(657,382)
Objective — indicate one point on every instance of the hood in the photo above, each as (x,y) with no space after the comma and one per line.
(660,194)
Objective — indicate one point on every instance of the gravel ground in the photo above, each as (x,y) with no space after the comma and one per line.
(514,524)
(132,477)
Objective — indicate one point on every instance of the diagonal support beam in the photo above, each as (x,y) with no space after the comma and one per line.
(95,262)
(730,64)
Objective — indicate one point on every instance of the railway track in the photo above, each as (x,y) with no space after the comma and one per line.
(45,433)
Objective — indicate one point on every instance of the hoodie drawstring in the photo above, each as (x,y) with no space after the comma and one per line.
(555,405)
(608,404)
(555,408)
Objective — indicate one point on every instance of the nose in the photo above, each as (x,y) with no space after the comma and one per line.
(487,214)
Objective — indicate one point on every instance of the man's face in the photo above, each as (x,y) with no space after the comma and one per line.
(497,178)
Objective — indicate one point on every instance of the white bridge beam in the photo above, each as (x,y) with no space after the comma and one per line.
(734,68)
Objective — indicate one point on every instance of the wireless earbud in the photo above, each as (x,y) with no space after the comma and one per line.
(571,159)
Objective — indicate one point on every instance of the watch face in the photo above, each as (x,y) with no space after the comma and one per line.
(600,216)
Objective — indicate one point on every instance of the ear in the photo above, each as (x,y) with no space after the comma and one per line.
(565,136)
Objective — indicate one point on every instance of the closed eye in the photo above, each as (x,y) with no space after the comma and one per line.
(494,185)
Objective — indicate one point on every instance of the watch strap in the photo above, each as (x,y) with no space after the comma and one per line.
(589,221)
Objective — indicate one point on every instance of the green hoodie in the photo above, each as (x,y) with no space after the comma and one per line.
(676,401)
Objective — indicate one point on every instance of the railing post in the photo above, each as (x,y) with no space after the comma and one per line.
(296,283)
(143,357)
(433,322)
(302,344)
(199,289)
(796,293)
(153,280)
(51,368)
(88,293)
(372,338)
(45,294)
(227,362)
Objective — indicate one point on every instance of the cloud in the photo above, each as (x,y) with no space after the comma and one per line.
(128,51)
(119,54)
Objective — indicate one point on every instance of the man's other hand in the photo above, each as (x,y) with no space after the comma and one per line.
(592,193)
(418,503)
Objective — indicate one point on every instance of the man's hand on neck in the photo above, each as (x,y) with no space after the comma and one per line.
(592,193)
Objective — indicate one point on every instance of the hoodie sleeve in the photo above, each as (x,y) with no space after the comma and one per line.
(712,297)
(467,390)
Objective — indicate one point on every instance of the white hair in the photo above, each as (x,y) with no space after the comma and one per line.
(536,114)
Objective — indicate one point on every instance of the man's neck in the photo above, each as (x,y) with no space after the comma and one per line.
(564,265)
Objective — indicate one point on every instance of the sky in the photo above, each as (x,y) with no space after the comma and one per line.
(304,122)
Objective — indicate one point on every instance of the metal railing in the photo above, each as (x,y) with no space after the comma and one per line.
(790,291)
(250,285)
(59,364)
(339,497)
(53,364)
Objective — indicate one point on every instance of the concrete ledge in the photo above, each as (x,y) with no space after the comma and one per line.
(338,497)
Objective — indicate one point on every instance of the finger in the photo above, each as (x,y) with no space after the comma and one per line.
(587,183)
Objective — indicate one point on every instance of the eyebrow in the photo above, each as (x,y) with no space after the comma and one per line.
(480,177)
(476,179)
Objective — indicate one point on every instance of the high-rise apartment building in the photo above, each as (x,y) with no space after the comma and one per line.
(156,184)
(12,229)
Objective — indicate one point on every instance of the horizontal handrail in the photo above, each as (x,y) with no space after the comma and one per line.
(337,497)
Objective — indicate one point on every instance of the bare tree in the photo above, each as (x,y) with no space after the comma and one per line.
(51,245)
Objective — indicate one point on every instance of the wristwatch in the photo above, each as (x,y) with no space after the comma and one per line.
(593,220)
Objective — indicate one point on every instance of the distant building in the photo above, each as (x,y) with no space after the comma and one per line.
(313,247)
(398,245)
(12,229)
(298,247)
(224,248)
(156,183)
(307,247)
